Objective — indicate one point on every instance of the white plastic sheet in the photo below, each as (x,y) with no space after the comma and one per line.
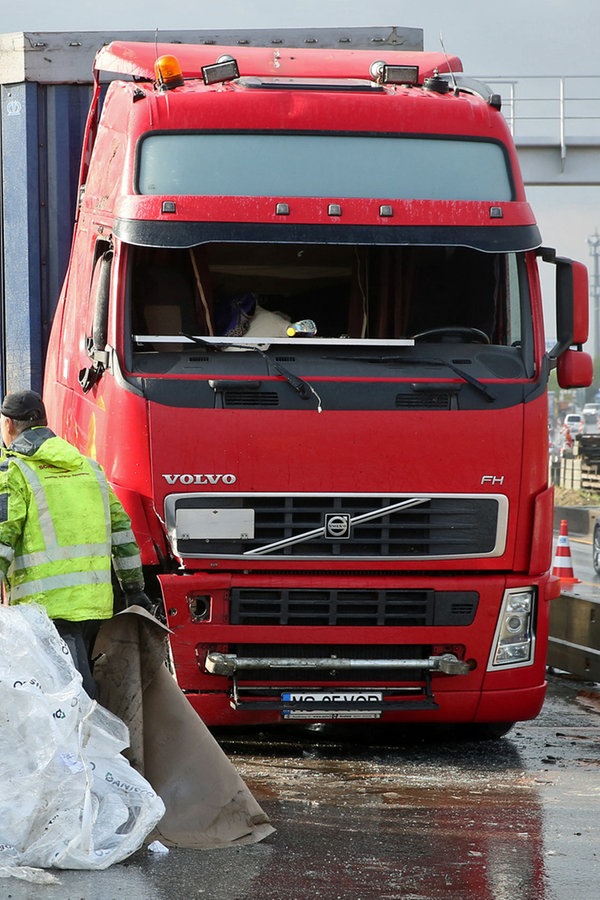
(68,797)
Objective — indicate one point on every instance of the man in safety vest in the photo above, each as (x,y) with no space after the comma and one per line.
(61,528)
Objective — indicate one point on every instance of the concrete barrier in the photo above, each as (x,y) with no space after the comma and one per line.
(574,639)
(580,519)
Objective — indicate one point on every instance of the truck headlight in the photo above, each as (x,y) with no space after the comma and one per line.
(514,640)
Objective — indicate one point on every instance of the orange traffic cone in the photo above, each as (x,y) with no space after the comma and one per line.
(563,564)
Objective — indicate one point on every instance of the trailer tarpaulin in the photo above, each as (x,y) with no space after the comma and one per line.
(208,805)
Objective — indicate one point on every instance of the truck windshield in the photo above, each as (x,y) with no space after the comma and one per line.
(246,291)
(306,165)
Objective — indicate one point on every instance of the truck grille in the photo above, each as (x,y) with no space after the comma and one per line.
(362,608)
(319,526)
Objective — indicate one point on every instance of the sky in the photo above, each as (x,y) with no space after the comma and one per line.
(511,39)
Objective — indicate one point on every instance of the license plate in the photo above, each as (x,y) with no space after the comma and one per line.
(330,704)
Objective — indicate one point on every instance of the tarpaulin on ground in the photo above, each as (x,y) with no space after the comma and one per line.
(207,802)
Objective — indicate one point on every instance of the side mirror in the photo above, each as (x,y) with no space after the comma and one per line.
(573,296)
(574,369)
(572,302)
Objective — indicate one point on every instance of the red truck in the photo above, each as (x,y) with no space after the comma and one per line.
(302,331)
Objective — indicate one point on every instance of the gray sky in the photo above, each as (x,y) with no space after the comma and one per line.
(509,39)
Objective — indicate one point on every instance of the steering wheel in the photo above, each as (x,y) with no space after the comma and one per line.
(452,334)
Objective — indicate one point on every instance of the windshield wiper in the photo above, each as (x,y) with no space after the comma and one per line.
(409,361)
(466,376)
(302,388)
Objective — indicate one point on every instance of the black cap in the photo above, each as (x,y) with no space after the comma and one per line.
(25,406)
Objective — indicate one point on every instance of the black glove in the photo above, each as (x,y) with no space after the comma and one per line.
(138,598)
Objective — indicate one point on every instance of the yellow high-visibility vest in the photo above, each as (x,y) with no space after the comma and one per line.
(61,526)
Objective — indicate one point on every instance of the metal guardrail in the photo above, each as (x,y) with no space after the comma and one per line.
(560,110)
(567,472)
(562,106)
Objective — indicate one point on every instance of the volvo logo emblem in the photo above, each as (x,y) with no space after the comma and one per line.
(337,526)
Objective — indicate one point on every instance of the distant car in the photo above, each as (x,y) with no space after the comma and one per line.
(574,422)
(590,423)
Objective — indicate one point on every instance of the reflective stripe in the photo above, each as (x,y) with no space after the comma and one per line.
(123,563)
(44,517)
(123,537)
(54,582)
(29,560)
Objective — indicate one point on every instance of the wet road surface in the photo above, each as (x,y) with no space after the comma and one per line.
(395,815)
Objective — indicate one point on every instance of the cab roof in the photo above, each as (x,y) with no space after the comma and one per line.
(137,58)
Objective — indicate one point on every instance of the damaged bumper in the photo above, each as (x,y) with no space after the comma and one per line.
(229,664)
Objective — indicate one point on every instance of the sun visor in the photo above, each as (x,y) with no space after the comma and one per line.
(506,239)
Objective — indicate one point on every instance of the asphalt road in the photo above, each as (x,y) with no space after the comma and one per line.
(394,815)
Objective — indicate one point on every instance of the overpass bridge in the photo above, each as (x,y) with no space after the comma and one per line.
(555,121)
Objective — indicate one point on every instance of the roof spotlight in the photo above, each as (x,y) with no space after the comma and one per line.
(383,73)
(225,69)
